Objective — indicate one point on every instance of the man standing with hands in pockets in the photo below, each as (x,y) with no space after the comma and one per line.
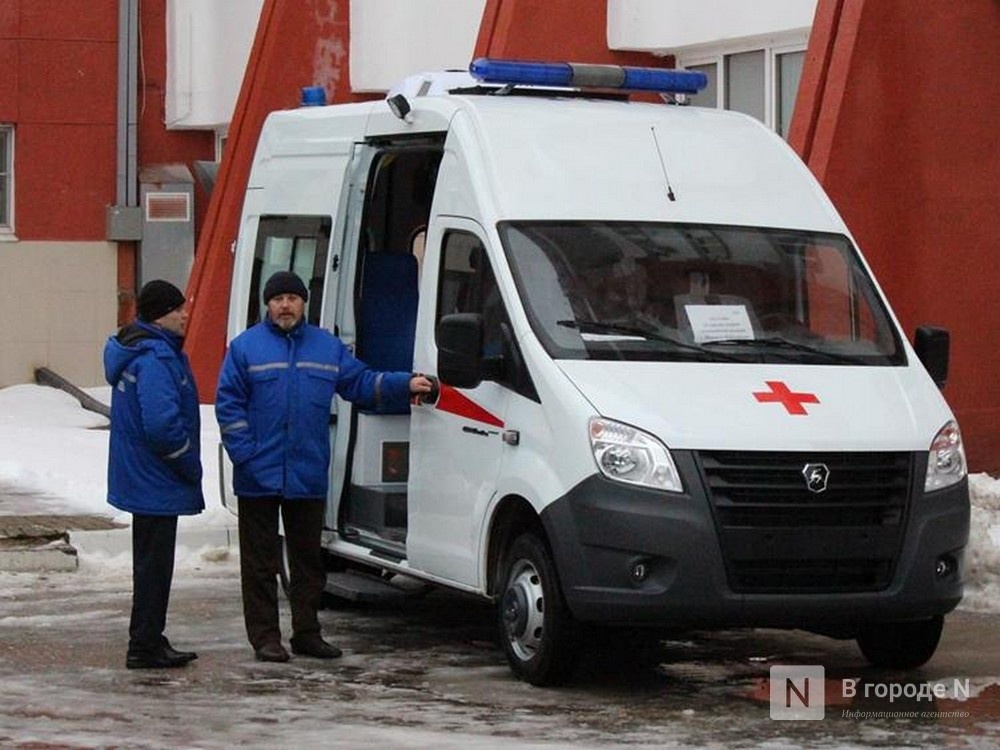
(273,402)
(154,459)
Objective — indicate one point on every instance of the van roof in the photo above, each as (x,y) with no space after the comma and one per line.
(553,157)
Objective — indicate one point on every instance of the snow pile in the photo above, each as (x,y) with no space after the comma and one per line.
(982,557)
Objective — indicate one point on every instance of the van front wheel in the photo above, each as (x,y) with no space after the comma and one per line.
(536,627)
(901,645)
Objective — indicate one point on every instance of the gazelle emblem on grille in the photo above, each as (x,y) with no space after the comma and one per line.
(816,476)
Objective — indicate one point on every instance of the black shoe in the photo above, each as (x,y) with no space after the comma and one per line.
(175,654)
(154,660)
(314,645)
(272,652)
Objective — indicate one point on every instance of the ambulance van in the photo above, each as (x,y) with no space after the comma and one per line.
(670,393)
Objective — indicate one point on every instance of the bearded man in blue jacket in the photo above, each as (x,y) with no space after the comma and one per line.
(154,459)
(276,387)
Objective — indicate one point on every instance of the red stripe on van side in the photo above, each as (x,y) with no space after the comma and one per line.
(454,402)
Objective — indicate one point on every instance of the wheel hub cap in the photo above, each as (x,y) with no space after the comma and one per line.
(515,611)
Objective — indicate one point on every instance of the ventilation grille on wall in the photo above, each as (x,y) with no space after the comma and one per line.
(164,206)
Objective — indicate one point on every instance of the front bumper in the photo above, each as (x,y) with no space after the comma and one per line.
(689,574)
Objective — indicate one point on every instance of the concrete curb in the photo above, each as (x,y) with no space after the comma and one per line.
(37,554)
(40,543)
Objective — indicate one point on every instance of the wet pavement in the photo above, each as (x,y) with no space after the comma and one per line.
(429,672)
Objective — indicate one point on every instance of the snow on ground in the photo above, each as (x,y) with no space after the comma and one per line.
(53,458)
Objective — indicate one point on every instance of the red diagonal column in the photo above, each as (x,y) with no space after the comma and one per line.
(897,115)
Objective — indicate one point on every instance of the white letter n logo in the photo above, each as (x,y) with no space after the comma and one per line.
(798,693)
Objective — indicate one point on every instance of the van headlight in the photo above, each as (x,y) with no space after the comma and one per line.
(627,454)
(946,460)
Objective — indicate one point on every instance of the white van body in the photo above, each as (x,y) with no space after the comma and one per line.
(777,486)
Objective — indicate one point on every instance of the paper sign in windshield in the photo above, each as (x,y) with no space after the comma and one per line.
(719,322)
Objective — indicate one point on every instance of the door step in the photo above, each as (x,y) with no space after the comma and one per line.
(362,587)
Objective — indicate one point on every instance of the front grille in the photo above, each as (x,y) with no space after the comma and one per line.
(779,537)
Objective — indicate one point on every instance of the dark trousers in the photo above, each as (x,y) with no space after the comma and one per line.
(153,541)
(260,552)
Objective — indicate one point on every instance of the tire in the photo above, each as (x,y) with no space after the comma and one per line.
(537,630)
(901,645)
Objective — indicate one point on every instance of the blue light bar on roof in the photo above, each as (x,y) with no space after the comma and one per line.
(579,75)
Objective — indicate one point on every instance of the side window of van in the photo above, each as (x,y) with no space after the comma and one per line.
(290,243)
(468,285)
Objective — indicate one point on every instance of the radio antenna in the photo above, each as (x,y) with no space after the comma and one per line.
(663,166)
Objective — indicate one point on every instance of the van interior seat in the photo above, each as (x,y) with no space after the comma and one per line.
(388,316)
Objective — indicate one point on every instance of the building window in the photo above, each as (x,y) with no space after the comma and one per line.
(762,83)
(6,178)
(788,75)
(746,84)
(708,96)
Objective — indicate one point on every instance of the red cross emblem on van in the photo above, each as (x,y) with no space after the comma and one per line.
(782,394)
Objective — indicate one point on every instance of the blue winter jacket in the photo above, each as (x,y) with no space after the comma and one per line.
(154,457)
(273,406)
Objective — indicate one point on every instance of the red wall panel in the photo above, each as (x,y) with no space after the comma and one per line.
(67,81)
(64,180)
(10,19)
(95,20)
(62,96)
(9,100)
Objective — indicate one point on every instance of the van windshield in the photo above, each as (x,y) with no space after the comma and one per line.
(693,292)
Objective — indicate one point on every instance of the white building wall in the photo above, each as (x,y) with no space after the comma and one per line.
(73,309)
(676,26)
(208,44)
(392,39)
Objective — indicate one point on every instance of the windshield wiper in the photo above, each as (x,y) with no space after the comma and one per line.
(596,326)
(779,342)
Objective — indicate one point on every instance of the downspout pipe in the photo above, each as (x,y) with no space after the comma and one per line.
(127,193)
(124,219)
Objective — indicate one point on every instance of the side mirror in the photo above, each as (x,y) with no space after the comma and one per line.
(932,345)
(460,349)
